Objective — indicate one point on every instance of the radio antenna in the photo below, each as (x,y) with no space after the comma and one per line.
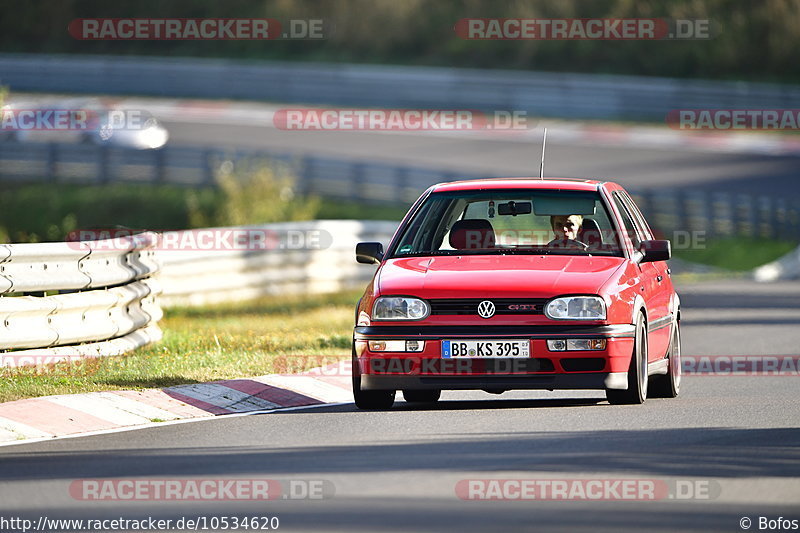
(541,167)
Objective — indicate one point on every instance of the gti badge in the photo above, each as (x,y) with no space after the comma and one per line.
(486,309)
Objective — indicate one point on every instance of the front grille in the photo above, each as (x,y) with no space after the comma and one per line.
(503,306)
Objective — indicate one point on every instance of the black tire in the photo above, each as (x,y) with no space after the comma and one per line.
(669,385)
(370,400)
(637,372)
(422,396)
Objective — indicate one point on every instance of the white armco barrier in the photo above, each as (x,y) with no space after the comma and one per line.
(76,265)
(200,266)
(787,267)
(107,302)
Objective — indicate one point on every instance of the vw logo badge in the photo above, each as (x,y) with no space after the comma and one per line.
(486,309)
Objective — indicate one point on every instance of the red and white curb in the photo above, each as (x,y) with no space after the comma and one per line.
(74,414)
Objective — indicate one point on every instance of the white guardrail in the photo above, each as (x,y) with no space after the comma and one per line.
(105,302)
(300,258)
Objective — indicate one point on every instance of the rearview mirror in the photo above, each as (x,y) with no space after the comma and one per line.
(369,253)
(514,208)
(655,250)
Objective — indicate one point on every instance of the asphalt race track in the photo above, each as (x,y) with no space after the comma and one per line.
(634,167)
(735,441)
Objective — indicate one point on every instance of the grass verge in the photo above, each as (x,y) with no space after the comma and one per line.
(737,254)
(336,209)
(274,335)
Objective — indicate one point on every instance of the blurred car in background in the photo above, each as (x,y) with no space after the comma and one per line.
(83,121)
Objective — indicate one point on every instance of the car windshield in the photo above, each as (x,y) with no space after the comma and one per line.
(526,221)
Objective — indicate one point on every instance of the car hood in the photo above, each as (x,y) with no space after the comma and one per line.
(496,276)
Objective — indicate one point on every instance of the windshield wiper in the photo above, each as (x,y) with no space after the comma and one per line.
(510,251)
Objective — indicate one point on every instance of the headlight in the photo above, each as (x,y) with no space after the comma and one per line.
(153,137)
(576,308)
(400,308)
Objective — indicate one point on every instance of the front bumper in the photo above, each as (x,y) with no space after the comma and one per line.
(544,369)
(571,381)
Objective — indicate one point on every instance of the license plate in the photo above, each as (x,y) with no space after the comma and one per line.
(485,348)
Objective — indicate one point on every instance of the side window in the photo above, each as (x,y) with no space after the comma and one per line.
(630,229)
(638,218)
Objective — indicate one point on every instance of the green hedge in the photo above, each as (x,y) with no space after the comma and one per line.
(39,213)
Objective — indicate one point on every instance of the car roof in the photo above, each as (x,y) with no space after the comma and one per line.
(571,184)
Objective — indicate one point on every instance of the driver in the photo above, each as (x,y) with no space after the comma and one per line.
(566,228)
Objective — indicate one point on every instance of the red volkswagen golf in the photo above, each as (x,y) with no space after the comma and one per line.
(503,284)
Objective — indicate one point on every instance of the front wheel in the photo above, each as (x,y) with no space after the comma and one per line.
(637,372)
(370,400)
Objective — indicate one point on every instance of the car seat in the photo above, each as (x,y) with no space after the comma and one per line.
(472,234)
(590,233)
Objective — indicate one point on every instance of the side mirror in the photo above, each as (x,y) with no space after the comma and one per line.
(655,250)
(369,253)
